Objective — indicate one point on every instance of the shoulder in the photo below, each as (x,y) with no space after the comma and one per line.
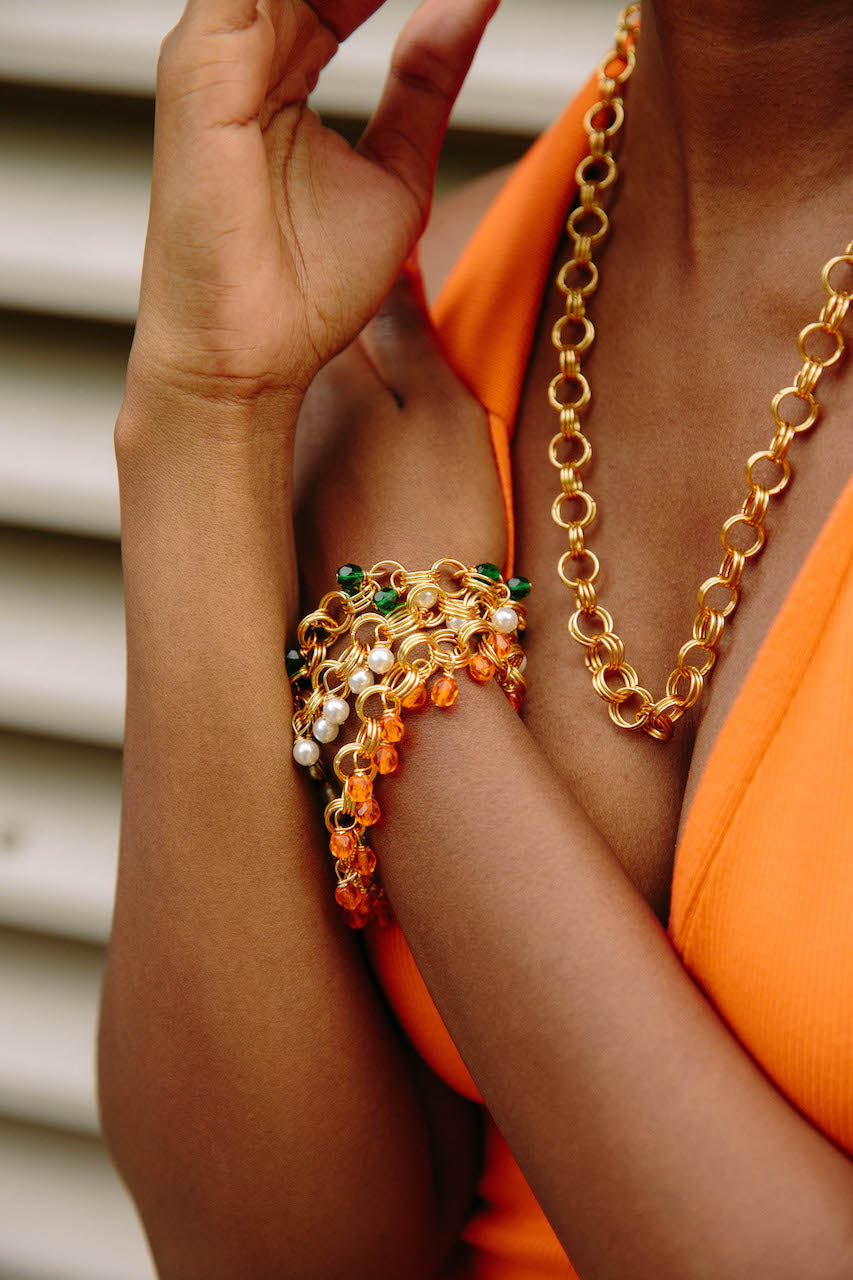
(453,221)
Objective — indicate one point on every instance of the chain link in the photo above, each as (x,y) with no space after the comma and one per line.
(794,411)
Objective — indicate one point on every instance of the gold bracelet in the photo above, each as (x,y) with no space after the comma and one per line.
(398,638)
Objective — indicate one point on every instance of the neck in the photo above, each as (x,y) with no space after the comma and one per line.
(742,111)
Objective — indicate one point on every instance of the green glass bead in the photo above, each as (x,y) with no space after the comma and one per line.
(518,588)
(490,571)
(386,600)
(350,578)
(293,662)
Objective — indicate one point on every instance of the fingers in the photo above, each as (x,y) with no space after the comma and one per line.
(428,66)
(239,62)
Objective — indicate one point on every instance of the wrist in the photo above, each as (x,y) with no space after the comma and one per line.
(206,517)
(167,407)
(206,482)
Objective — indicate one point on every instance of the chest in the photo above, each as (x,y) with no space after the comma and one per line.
(675,412)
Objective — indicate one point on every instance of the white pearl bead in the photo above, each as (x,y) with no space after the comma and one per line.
(426,597)
(360,680)
(323,731)
(456,624)
(504,619)
(380,659)
(335,710)
(522,666)
(305,752)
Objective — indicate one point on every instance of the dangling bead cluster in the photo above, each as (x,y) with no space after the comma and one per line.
(387,642)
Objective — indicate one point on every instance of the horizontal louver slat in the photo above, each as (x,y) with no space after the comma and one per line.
(73,211)
(62,388)
(61,637)
(59,819)
(48,1008)
(65,1215)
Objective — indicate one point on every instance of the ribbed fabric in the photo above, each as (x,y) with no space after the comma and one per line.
(763,885)
(762,909)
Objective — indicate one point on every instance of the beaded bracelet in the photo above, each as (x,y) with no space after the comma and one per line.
(398,638)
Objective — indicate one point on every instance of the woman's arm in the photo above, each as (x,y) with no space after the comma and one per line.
(656,1147)
(253,1092)
(263,1112)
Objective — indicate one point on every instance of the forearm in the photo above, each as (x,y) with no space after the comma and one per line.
(653,1143)
(253,1093)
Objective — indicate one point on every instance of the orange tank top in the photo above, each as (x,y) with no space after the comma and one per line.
(762,900)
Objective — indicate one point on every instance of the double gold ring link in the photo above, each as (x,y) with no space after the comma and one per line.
(794,410)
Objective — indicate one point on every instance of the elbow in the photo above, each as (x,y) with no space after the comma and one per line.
(217,1202)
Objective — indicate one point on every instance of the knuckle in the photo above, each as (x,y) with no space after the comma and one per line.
(186,55)
(427,73)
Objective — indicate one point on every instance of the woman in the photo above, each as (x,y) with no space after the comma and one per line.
(261,1100)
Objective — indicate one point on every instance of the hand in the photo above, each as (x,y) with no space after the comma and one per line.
(271,242)
(393,457)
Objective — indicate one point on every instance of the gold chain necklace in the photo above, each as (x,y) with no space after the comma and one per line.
(614,679)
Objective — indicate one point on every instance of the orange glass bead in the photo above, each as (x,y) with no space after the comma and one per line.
(342,844)
(349,896)
(501,643)
(386,758)
(367,812)
(444,691)
(359,787)
(391,728)
(480,668)
(416,699)
(365,861)
(356,919)
(516,698)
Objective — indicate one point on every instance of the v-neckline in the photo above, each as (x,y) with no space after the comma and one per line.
(523,225)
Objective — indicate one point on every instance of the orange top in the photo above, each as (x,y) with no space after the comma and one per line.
(763,883)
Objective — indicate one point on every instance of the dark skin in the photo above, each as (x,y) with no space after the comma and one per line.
(616,1031)
(681,477)
(636,793)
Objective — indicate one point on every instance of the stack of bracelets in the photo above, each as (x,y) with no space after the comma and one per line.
(398,638)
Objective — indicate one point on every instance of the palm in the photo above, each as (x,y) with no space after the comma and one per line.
(343,224)
(295,238)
